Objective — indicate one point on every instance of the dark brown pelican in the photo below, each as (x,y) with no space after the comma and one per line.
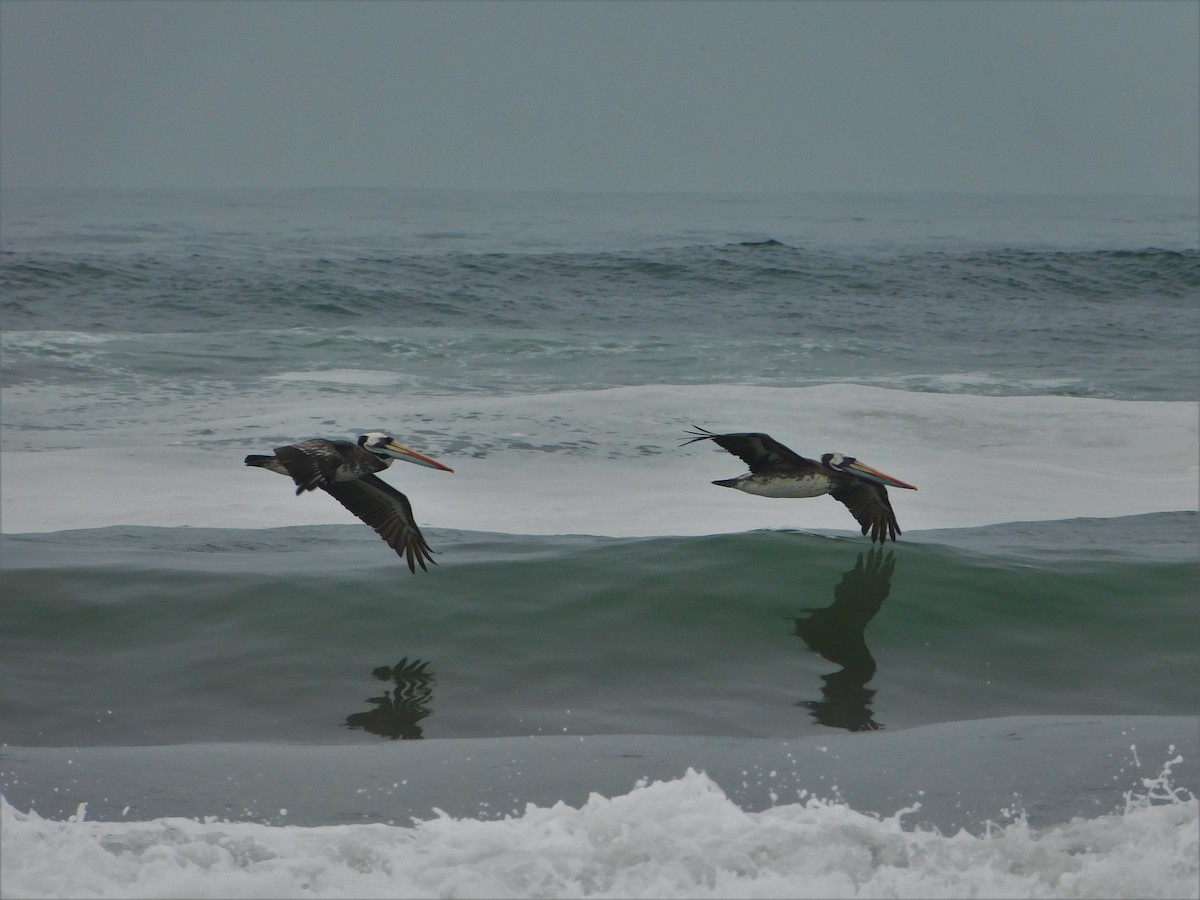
(776,471)
(346,471)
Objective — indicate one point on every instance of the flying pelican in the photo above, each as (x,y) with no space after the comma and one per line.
(776,471)
(346,471)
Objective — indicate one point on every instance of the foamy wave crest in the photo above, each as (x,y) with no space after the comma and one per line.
(610,462)
(677,838)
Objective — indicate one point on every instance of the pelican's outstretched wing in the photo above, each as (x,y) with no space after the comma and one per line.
(387,511)
(759,451)
(869,504)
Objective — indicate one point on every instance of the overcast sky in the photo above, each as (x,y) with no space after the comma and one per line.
(1011,96)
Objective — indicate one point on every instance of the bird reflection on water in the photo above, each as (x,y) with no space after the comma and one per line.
(836,632)
(399,711)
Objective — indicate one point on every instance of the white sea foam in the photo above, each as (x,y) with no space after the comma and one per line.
(609,462)
(677,838)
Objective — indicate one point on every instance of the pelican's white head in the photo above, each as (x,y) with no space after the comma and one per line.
(851,466)
(387,447)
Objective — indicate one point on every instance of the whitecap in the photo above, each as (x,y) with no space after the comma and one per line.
(678,838)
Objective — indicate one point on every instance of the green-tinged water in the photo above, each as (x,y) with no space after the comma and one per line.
(316,634)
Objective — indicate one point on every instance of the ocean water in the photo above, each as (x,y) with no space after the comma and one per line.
(618,680)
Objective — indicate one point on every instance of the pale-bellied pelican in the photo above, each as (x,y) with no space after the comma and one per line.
(776,471)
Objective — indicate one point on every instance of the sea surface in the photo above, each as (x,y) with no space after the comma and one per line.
(618,680)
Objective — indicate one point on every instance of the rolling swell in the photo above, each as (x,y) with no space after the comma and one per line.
(315,634)
(1095,323)
(568,289)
